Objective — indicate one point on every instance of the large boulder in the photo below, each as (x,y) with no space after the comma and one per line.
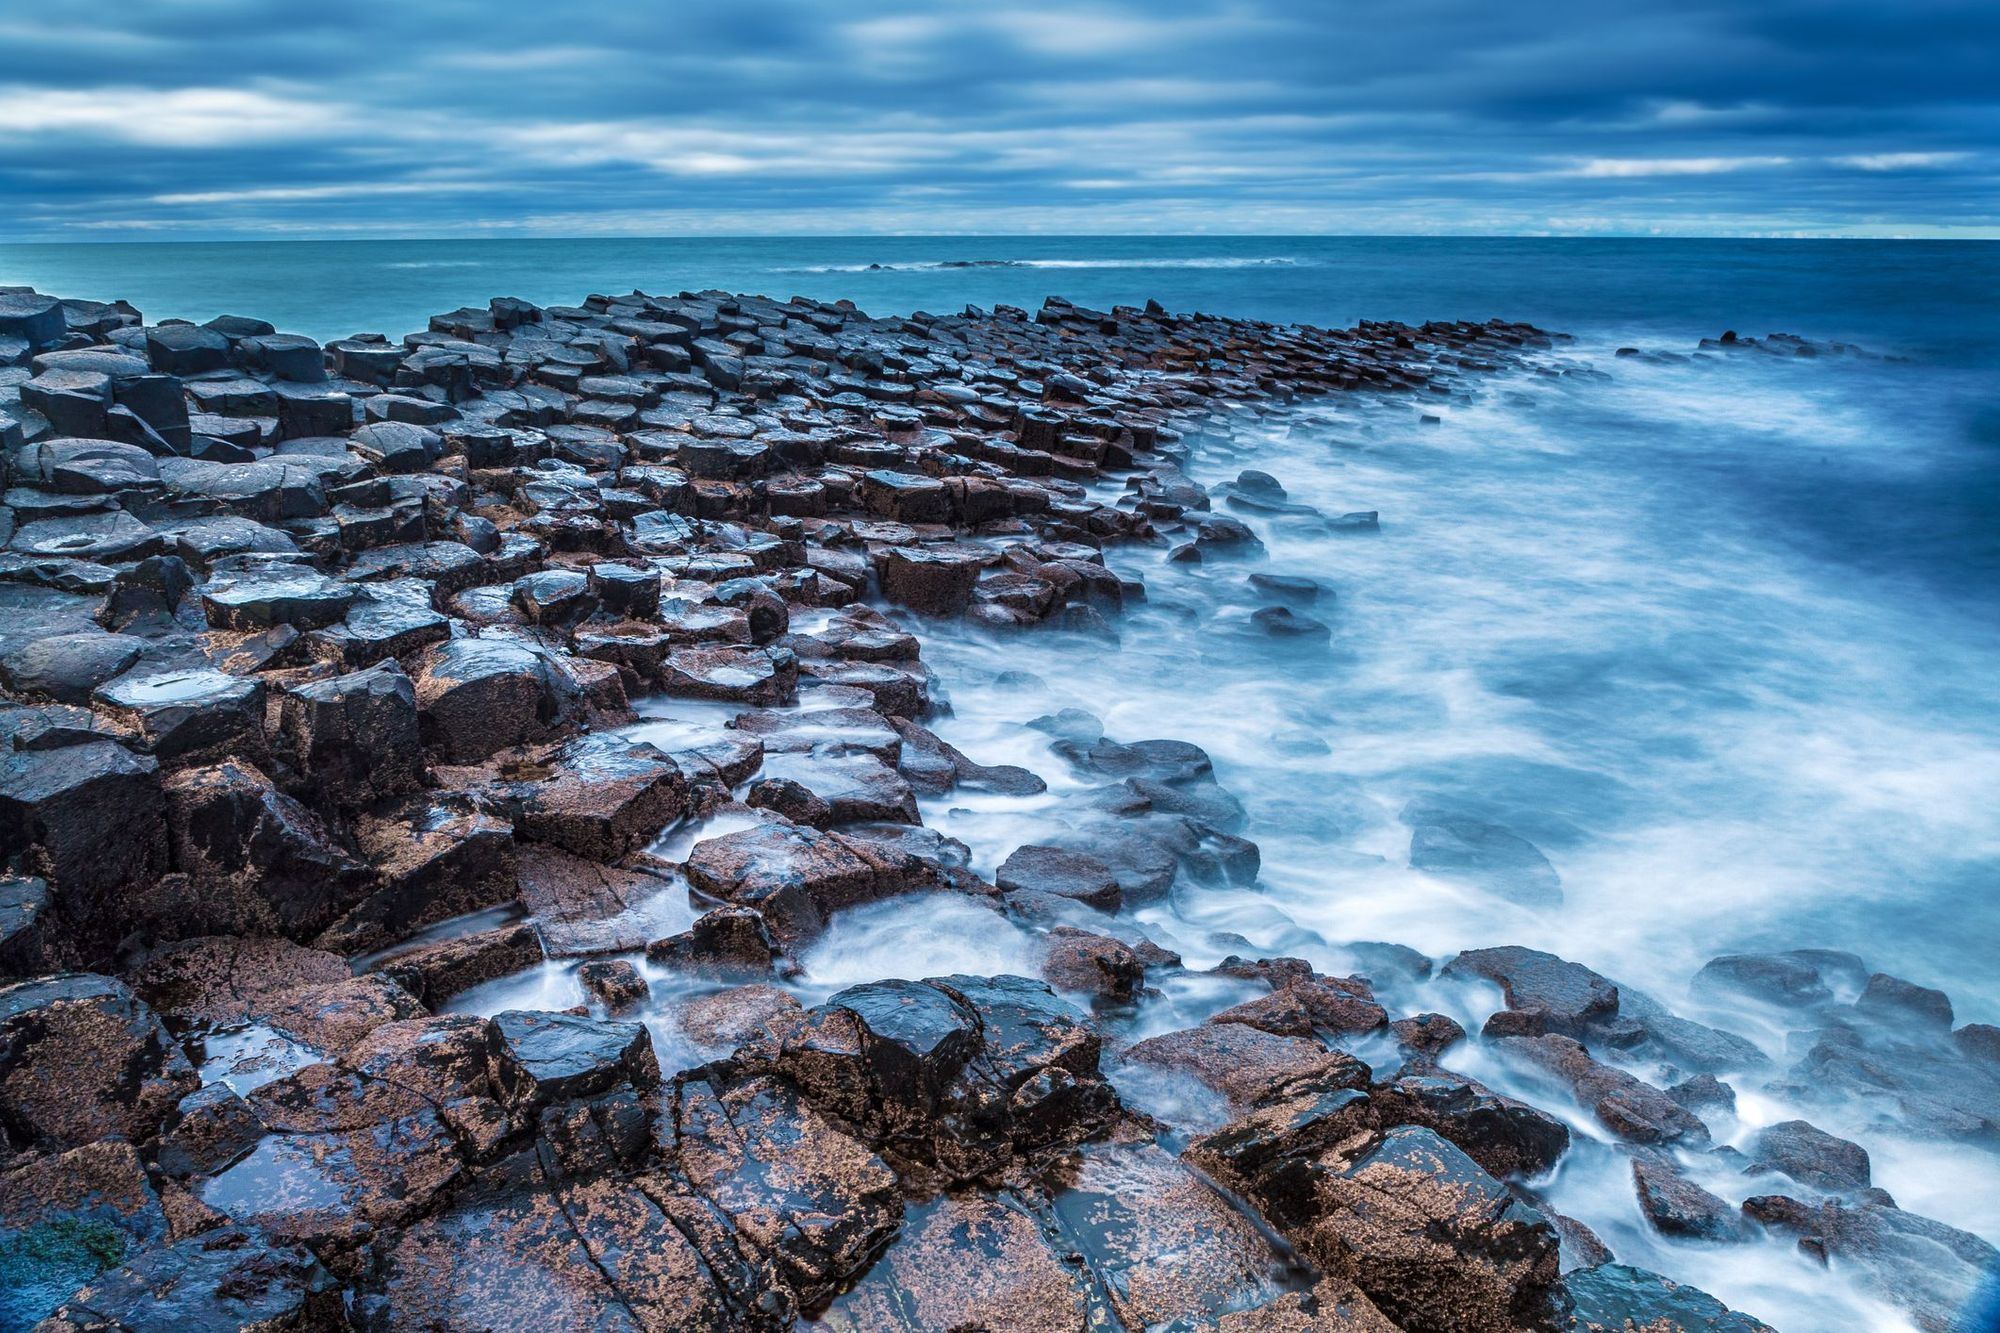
(189,715)
(1947,1280)
(65,668)
(1248,1065)
(433,858)
(1630,1108)
(602,797)
(1809,1155)
(937,581)
(793,876)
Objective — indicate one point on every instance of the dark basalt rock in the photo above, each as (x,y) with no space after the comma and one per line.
(1945,1279)
(1064,874)
(931,580)
(35,319)
(1614,1298)
(355,737)
(969,1077)
(1424,1037)
(1794,979)
(1900,1003)
(1091,964)
(729,1018)
(29,933)
(803,1197)
(67,667)
(1901,1059)
(1506,1137)
(1563,997)
(82,1058)
(794,877)
(1300,1008)
(603,796)
(1434,1241)
(1629,1108)
(189,715)
(54,807)
(539,1058)
(260,862)
(1248,1065)
(419,602)
(1676,1205)
(213,1128)
(279,596)
(1810,1156)
(219,1281)
(186,349)
(1284,623)
(436,972)
(725,941)
(87,466)
(827,789)
(520,1250)
(65,1218)
(477,696)
(615,983)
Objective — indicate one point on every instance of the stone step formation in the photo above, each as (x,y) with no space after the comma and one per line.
(320,667)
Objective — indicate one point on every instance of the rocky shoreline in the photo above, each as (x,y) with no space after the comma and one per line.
(341,680)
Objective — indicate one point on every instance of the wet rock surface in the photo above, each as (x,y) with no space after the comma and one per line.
(585,643)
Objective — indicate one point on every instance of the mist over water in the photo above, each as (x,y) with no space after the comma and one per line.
(1716,636)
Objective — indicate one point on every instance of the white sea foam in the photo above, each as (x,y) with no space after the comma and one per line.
(1608,616)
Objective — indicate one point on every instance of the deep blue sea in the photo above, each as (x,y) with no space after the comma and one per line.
(1720,635)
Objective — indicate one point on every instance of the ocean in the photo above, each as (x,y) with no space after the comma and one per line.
(1720,635)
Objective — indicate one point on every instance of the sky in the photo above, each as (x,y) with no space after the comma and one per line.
(203,119)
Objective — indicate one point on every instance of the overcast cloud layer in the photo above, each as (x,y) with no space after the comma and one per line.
(208,118)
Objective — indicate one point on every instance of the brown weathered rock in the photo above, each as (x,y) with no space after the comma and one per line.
(1631,1109)
(729,1018)
(1248,1065)
(616,984)
(804,1197)
(81,1058)
(1078,960)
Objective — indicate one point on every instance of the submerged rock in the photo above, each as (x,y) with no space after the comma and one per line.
(1613,1298)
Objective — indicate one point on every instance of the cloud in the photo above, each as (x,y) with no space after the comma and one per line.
(251,117)
(1625,167)
(200,117)
(1899,161)
(301,193)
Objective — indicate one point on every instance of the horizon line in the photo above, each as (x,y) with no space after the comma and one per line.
(1986,235)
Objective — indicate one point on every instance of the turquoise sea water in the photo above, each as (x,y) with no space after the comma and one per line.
(1721,636)
(1932,296)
